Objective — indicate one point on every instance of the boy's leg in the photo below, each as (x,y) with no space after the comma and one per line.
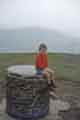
(51,72)
(46,74)
(51,78)
(50,84)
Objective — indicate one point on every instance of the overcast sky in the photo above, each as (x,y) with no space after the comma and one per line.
(61,15)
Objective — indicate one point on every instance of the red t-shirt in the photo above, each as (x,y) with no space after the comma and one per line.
(41,60)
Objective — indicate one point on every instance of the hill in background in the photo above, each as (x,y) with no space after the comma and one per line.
(27,40)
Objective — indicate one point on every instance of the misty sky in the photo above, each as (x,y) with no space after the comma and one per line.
(61,15)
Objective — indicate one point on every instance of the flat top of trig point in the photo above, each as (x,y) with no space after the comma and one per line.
(24,70)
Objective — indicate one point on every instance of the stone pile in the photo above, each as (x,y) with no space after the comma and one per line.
(27,97)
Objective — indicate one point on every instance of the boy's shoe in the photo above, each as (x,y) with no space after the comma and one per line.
(51,88)
(53,84)
(53,95)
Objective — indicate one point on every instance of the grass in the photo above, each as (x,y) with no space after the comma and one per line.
(67,67)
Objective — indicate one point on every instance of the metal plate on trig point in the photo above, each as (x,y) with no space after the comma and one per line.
(24,70)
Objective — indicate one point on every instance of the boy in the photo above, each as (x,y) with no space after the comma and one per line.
(42,65)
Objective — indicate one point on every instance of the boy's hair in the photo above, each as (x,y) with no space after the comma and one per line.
(42,45)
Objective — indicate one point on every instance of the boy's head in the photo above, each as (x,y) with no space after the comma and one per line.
(42,48)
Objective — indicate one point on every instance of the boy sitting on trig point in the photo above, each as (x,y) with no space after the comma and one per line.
(42,65)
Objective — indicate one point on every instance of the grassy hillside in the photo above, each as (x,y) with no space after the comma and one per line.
(66,66)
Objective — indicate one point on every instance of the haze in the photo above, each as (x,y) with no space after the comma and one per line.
(57,15)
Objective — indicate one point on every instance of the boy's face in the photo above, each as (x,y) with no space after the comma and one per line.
(42,50)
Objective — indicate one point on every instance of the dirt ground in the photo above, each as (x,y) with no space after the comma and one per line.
(68,91)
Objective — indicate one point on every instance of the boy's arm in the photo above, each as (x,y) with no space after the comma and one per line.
(46,60)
